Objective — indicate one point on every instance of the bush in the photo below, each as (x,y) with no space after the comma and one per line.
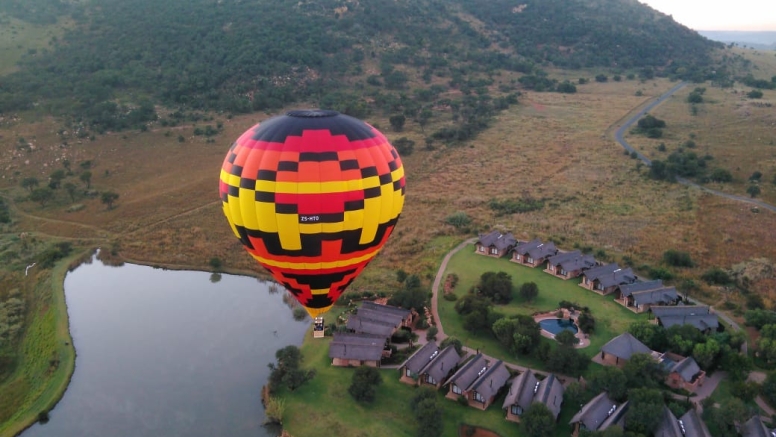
(451,297)
(754,94)
(365,380)
(215,263)
(462,401)
(586,322)
(432,333)
(716,276)
(677,258)
(458,220)
(529,291)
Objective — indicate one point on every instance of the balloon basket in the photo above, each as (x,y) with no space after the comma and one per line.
(318,327)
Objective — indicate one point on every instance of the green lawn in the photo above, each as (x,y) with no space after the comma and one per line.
(611,318)
(324,407)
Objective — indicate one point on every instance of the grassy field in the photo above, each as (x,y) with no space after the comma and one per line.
(324,407)
(611,318)
(47,359)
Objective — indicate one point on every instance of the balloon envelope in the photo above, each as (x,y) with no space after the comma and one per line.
(312,195)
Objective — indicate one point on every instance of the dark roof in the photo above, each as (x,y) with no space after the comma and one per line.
(490,381)
(687,369)
(543,251)
(368,313)
(468,373)
(617,277)
(628,289)
(597,272)
(354,338)
(536,249)
(442,364)
(349,351)
(527,389)
(521,391)
(563,257)
(680,310)
(370,326)
(624,346)
(754,427)
(599,413)
(498,240)
(405,314)
(417,361)
(693,425)
(550,393)
(576,261)
(650,297)
(669,425)
(527,245)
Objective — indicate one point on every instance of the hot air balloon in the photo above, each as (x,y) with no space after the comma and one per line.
(313,196)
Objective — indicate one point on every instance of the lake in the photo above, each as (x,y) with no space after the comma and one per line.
(169,353)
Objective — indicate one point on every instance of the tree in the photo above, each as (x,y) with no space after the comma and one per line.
(725,417)
(429,416)
(496,286)
(650,334)
(71,190)
(409,298)
(287,370)
(538,421)
(566,338)
(645,411)
(567,360)
(753,190)
(756,176)
(30,183)
(364,383)
(577,395)
(520,334)
(682,338)
(55,178)
(642,371)
(42,195)
(586,322)
(452,341)
(397,122)
(528,291)
(108,197)
(86,177)
(612,380)
(768,389)
(706,354)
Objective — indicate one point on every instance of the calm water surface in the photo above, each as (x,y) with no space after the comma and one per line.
(168,353)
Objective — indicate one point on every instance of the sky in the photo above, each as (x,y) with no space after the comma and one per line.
(720,14)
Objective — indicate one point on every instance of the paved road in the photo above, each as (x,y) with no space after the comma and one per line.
(619,136)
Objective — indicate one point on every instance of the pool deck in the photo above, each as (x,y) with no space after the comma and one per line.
(583,340)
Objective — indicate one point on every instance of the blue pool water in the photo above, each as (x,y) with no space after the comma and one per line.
(555,326)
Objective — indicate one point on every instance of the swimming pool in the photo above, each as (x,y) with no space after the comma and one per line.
(555,326)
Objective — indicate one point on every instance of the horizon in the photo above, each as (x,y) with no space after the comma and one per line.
(717,15)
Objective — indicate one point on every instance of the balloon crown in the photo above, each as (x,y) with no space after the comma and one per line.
(312,113)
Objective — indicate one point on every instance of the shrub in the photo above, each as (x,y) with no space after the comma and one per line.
(215,263)
(458,220)
(365,380)
(586,322)
(465,403)
(432,333)
(716,276)
(754,94)
(529,291)
(450,297)
(677,258)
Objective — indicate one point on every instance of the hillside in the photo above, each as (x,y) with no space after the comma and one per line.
(240,57)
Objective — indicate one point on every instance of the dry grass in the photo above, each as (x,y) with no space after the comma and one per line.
(551,146)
